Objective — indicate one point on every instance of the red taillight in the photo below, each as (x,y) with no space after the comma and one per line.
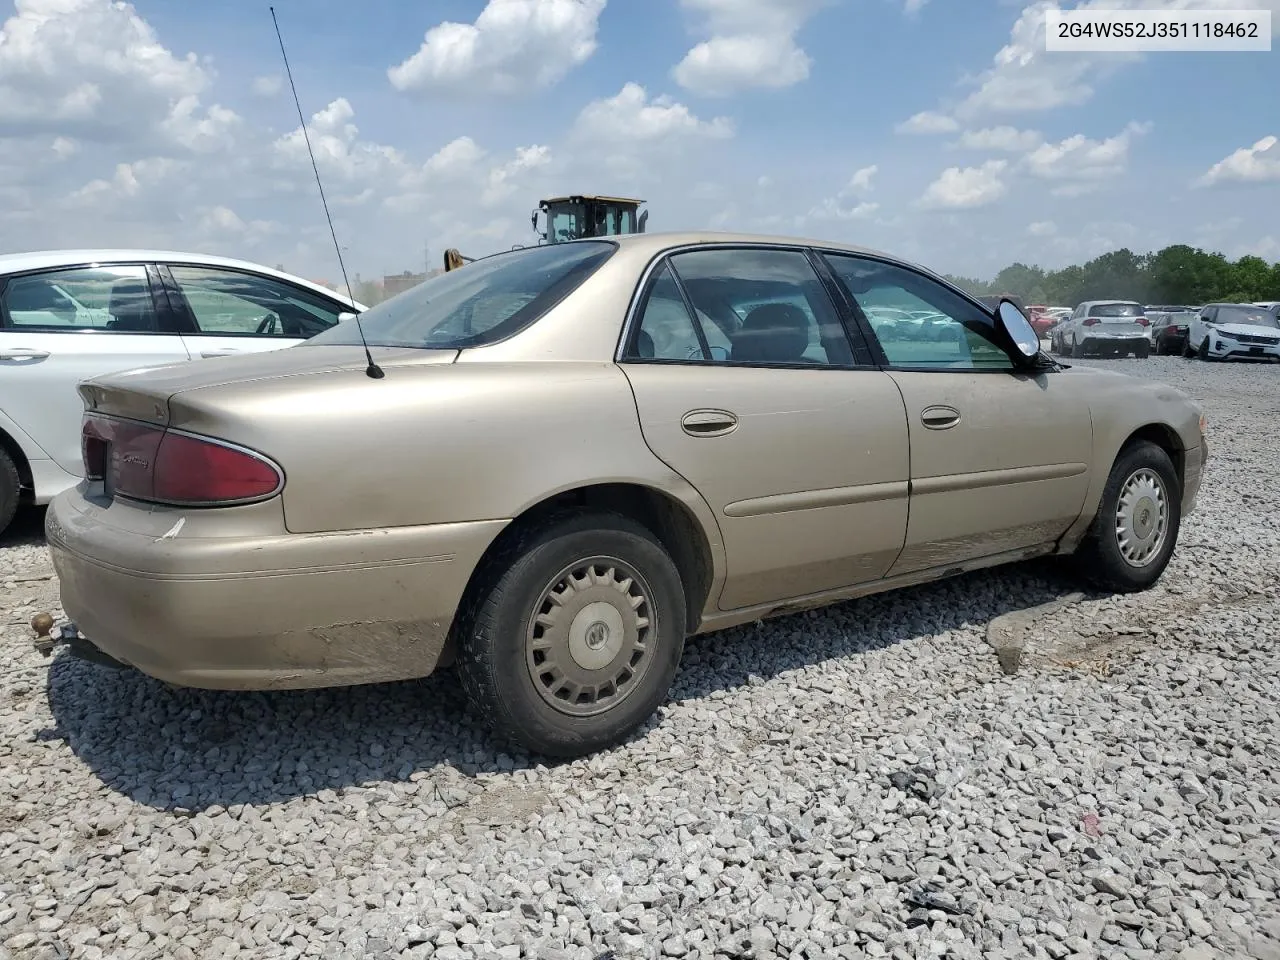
(1143,322)
(1092,321)
(155,464)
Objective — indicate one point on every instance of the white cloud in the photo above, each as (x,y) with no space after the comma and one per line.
(1259,163)
(632,117)
(834,208)
(912,7)
(64,147)
(339,151)
(1079,163)
(965,188)
(1025,77)
(928,121)
(1042,228)
(861,179)
(95,70)
(513,47)
(1007,139)
(504,177)
(268,85)
(752,43)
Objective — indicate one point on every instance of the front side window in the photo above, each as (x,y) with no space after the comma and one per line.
(230,303)
(481,303)
(110,299)
(919,322)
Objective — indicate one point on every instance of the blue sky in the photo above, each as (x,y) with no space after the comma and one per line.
(784,116)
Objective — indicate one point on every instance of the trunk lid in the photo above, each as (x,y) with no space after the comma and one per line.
(144,394)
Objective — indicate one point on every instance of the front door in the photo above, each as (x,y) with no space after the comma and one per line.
(999,458)
(801,452)
(59,327)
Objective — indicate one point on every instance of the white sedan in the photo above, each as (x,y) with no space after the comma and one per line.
(69,315)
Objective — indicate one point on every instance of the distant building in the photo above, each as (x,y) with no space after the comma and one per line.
(395,283)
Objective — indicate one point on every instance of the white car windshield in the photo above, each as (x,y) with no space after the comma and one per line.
(1250,316)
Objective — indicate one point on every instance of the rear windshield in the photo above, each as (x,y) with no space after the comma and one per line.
(479,303)
(1253,316)
(1116,310)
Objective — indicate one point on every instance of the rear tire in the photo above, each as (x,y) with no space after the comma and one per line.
(10,490)
(1143,351)
(573,642)
(1077,350)
(1136,528)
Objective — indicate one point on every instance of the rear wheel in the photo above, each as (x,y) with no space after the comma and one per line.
(10,490)
(1136,528)
(1077,349)
(576,639)
(1142,351)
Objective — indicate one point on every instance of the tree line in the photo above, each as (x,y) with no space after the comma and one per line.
(1176,275)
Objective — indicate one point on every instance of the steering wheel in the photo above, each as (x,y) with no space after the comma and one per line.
(267,325)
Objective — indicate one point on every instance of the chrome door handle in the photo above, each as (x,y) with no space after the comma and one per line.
(708,423)
(22,353)
(218,353)
(939,417)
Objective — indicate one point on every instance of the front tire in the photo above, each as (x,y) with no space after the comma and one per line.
(1136,528)
(1203,351)
(10,490)
(576,639)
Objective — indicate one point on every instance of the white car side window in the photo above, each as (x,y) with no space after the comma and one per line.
(110,299)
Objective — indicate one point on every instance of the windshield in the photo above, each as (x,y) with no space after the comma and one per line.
(482,302)
(1252,316)
(1116,310)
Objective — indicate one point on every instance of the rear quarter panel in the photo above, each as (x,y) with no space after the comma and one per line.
(438,443)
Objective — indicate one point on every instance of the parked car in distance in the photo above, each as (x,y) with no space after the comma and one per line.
(1234,331)
(579,454)
(1169,331)
(68,315)
(1104,328)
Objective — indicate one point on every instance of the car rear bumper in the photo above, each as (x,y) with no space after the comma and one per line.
(262,612)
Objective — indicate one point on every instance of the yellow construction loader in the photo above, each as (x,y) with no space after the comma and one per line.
(573,218)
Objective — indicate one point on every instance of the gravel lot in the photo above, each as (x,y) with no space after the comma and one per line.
(862,781)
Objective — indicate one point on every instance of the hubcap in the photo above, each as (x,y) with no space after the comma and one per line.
(1142,517)
(590,637)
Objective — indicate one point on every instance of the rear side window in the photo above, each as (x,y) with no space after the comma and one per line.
(108,299)
(230,302)
(480,303)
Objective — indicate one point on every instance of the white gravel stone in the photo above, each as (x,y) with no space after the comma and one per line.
(808,779)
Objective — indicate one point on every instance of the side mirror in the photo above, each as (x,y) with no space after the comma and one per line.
(1014,323)
(533,219)
(644,219)
(346,315)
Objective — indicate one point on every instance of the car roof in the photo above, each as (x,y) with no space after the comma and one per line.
(659,242)
(47,259)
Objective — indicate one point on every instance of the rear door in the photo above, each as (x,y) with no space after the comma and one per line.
(795,440)
(223,311)
(999,457)
(61,326)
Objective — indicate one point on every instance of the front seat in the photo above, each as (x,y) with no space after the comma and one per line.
(773,333)
(130,306)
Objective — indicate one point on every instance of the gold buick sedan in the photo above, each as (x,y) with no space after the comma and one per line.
(548,468)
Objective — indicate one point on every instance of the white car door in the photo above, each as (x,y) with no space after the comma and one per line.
(61,326)
(224,311)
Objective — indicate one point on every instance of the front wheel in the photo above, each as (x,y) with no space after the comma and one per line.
(1203,351)
(575,641)
(10,490)
(1136,528)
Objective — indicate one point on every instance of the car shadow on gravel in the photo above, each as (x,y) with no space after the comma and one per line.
(26,529)
(187,750)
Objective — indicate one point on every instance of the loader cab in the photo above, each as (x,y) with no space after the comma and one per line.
(576,217)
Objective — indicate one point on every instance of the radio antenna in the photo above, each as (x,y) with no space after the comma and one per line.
(374,371)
